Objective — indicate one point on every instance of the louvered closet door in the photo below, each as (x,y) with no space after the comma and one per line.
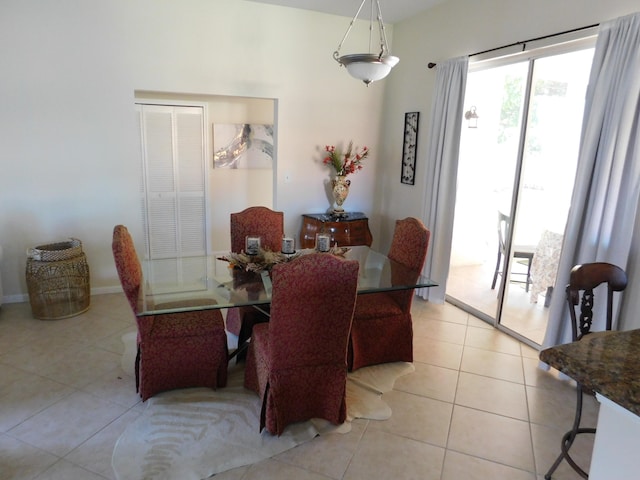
(174,193)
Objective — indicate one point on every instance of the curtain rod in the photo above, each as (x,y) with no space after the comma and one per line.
(524,43)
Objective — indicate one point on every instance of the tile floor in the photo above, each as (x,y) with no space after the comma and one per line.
(477,406)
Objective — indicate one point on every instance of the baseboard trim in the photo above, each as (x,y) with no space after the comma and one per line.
(24,297)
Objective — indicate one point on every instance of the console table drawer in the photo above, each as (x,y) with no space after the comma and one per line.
(352,228)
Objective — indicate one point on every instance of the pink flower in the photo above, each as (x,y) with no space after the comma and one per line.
(346,163)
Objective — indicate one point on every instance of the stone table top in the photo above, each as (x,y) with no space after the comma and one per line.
(607,364)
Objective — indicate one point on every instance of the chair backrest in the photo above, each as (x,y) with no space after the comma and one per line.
(409,248)
(127,264)
(583,280)
(312,304)
(503,227)
(410,242)
(259,221)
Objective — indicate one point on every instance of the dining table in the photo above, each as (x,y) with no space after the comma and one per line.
(189,283)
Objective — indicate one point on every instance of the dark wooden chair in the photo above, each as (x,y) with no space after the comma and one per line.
(582,282)
(522,252)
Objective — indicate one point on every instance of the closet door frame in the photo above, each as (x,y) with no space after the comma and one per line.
(174,189)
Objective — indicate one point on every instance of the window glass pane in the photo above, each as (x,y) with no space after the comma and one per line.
(502,159)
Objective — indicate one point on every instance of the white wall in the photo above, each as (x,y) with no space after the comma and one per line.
(69,72)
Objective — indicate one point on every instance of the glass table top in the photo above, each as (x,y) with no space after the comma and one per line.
(207,282)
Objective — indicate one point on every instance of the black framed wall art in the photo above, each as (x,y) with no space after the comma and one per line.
(409,147)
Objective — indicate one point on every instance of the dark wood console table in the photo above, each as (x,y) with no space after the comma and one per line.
(352,228)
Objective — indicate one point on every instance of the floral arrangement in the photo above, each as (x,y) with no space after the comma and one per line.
(349,162)
(265,259)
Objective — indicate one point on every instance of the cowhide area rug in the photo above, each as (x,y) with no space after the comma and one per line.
(195,433)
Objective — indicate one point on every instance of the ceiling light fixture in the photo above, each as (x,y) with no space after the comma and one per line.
(368,67)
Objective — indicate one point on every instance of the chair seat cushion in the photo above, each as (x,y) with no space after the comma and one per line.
(182,324)
(376,305)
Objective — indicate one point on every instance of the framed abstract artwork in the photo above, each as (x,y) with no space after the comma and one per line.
(409,147)
(242,145)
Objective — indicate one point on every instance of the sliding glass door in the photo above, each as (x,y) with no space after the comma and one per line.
(519,148)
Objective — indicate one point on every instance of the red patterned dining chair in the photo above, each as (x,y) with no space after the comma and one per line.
(583,280)
(382,328)
(297,362)
(260,221)
(269,225)
(174,350)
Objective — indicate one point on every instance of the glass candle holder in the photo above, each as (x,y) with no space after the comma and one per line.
(288,245)
(252,245)
(323,242)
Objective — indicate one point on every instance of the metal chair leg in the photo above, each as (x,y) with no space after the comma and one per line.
(497,270)
(568,439)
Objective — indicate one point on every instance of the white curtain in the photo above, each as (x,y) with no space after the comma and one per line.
(603,210)
(442,169)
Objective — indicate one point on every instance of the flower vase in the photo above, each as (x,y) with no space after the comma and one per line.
(340,192)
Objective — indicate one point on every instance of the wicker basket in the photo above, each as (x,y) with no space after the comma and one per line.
(52,252)
(58,280)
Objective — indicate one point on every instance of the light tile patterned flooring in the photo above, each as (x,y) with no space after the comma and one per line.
(477,406)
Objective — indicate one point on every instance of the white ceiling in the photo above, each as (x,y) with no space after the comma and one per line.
(392,10)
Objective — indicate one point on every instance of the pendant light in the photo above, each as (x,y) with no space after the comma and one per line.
(368,67)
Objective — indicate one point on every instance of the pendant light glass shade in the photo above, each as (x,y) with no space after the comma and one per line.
(368,67)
